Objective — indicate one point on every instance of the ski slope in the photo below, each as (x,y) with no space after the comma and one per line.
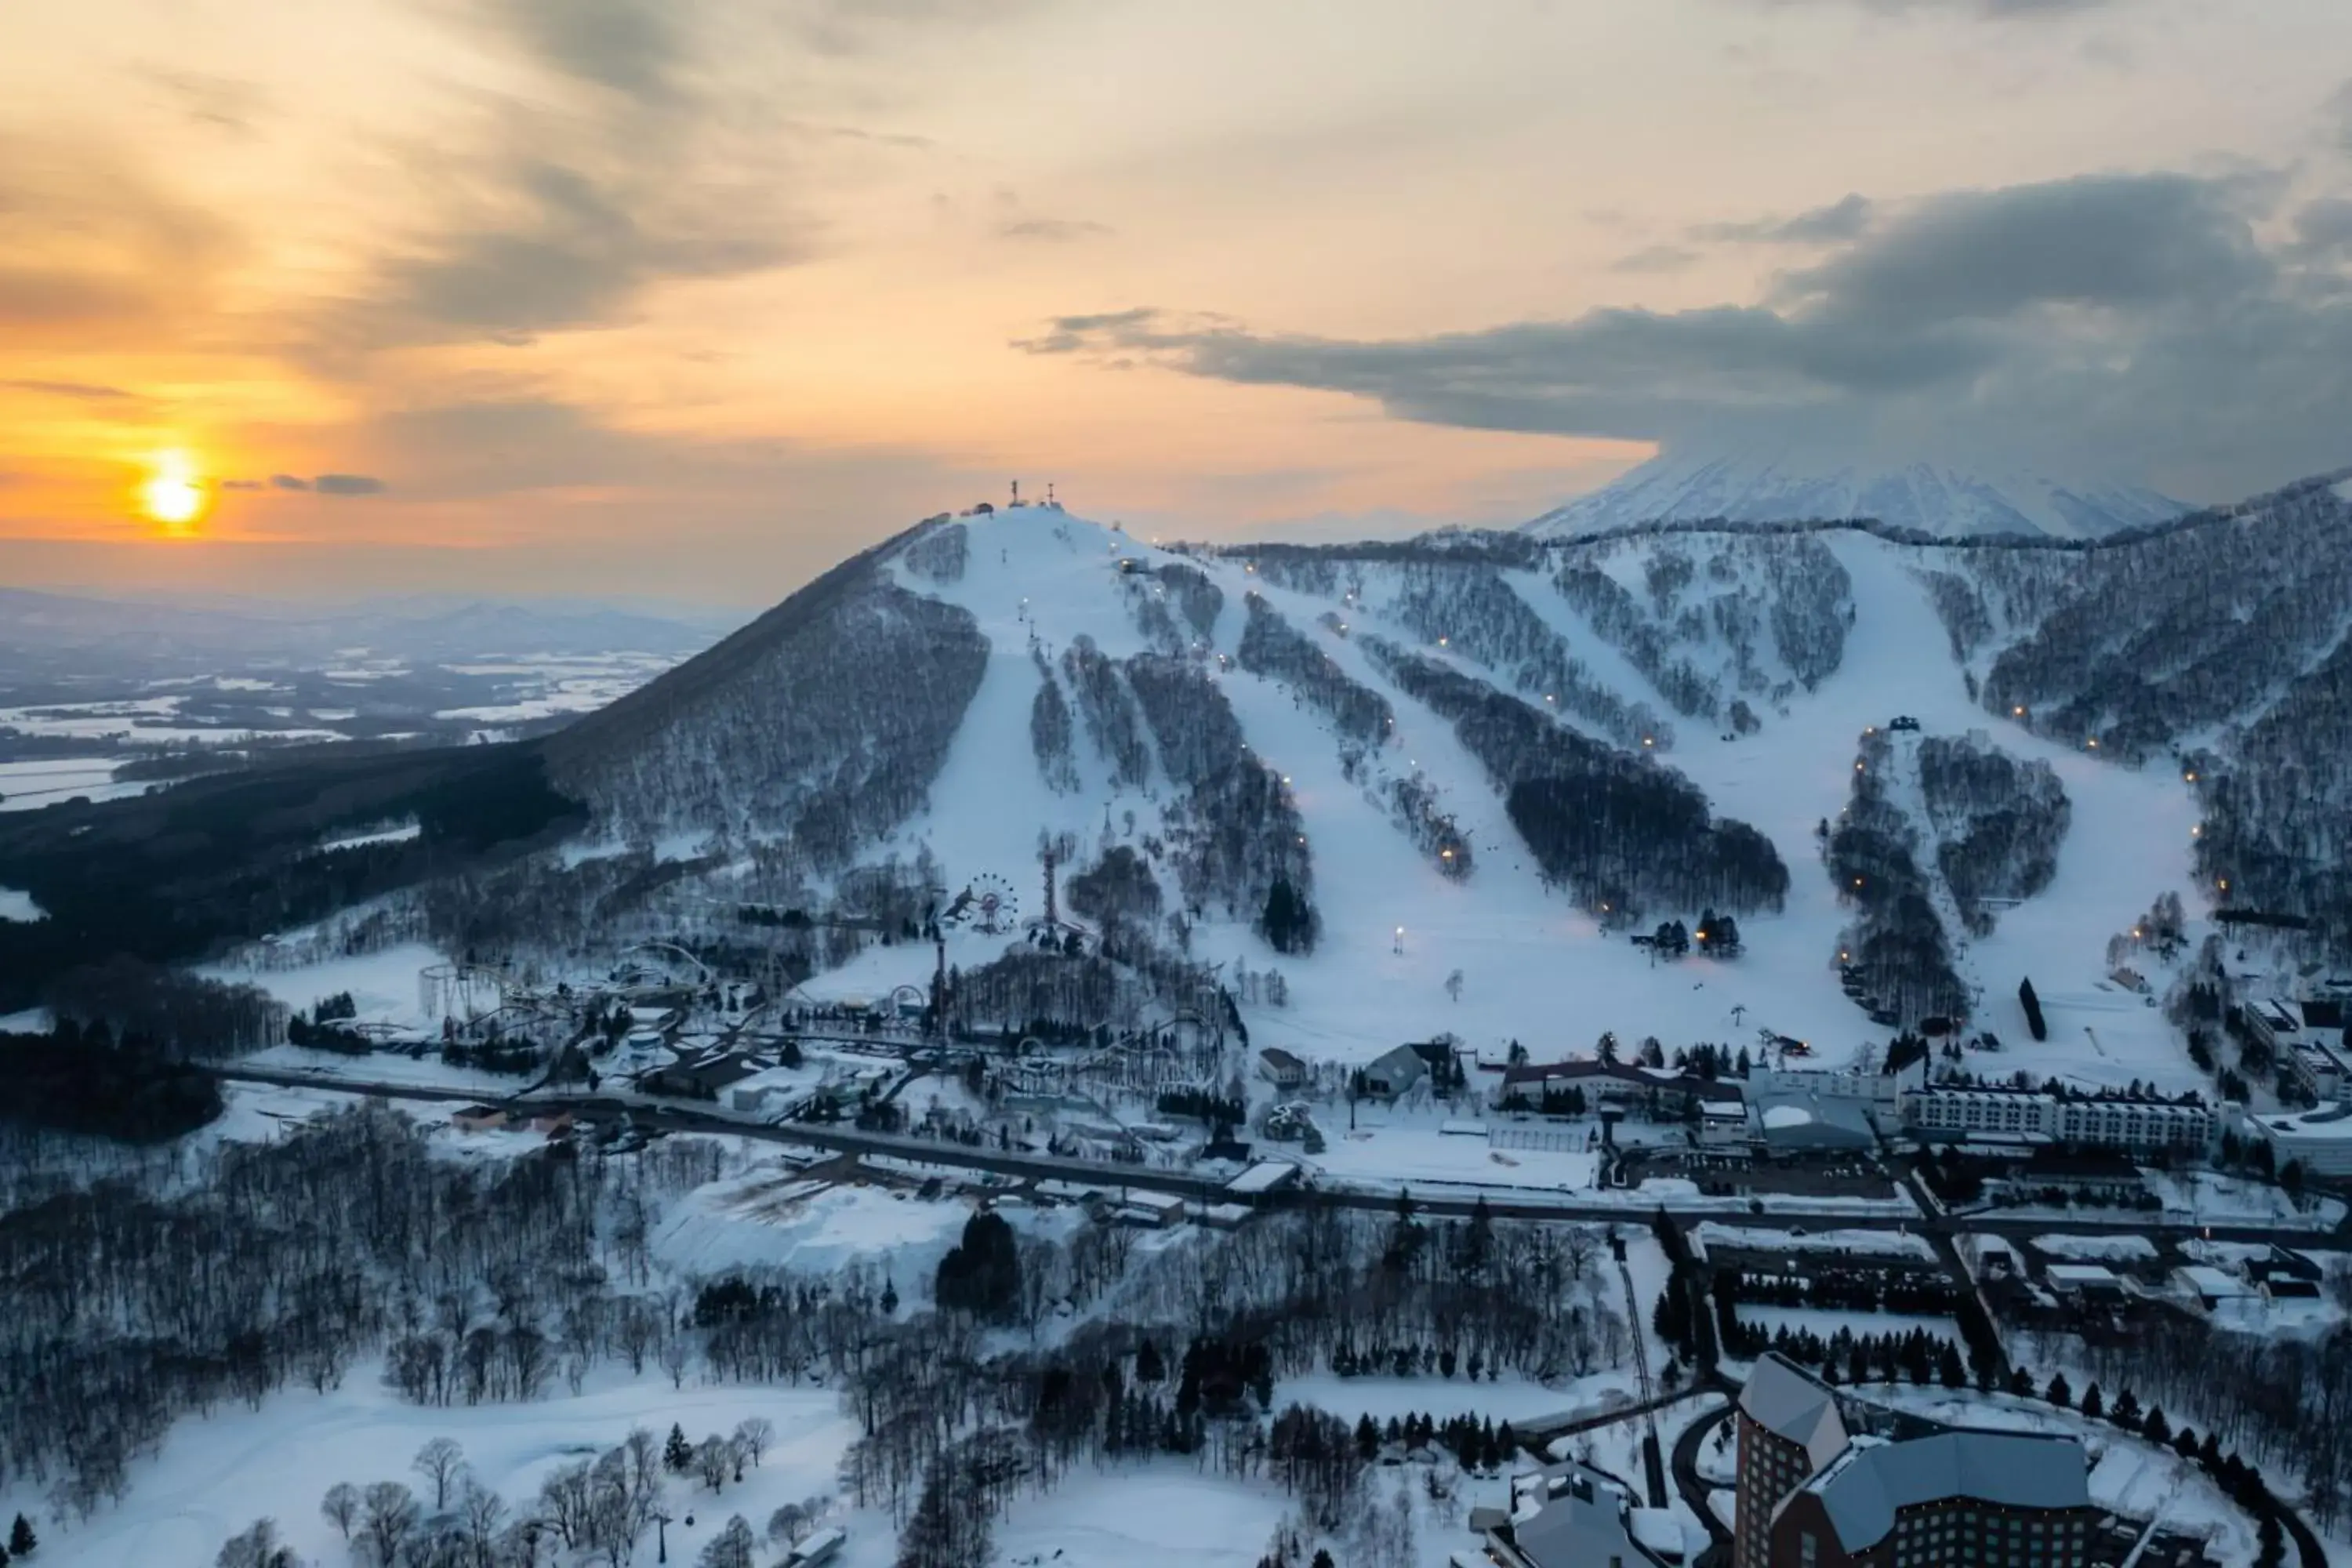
(1536,968)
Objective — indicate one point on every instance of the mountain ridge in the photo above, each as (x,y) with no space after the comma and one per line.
(1941,499)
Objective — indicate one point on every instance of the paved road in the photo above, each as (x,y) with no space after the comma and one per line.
(1694,1488)
(675,1116)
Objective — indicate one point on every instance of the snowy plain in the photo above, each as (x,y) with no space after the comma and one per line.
(215,1476)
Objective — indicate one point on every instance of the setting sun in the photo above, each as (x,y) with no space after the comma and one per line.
(171,495)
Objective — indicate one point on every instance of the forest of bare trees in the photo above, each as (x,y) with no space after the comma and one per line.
(1622,831)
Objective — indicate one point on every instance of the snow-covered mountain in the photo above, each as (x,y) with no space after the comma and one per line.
(1434,784)
(1942,499)
(1503,756)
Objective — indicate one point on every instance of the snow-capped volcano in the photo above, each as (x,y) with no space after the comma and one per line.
(1941,499)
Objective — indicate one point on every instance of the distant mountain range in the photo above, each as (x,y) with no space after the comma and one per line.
(426,629)
(1940,499)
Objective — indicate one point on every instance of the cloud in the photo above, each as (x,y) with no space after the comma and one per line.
(323,484)
(629,45)
(642,155)
(1656,258)
(2121,240)
(2127,322)
(1051,230)
(1990,10)
(87,392)
(636,164)
(95,254)
(219,102)
(1842,220)
(2325,228)
(864,26)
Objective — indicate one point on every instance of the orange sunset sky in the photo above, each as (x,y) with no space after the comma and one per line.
(689,298)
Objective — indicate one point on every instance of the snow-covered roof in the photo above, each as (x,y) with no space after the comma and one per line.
(2017,1469)
(2207,1281)
(2326,1124)
(1791,1404)
(2080,1274)
(1262,1177)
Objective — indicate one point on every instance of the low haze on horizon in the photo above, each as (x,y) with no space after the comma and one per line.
(681,299)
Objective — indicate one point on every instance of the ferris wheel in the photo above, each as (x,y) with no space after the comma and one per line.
(987,906)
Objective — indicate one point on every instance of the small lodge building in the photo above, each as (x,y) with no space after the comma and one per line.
(1281,1068)
(1391,1075)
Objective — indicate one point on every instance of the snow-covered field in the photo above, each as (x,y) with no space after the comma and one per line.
(2215,1199)
(2098,1248)
(1440,1398)
(1159,1515)
(772,1217)
(1852,1243)
(28,786)
(384,984)
(553,685)
(213,1478)
(1427,1155)
(1826,1322)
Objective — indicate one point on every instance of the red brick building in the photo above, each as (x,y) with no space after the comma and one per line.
(1828,1481)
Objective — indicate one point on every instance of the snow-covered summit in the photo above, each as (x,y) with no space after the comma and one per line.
(1943,499)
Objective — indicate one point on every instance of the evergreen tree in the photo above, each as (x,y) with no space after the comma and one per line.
(2094,1404)
(2060,1393)
(2033,1005)
(21,1540)
(981,1275)
(677,1454)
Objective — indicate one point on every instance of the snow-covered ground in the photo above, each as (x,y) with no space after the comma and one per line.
(772,1217)
(1440,1398)
(215,1476)
(17,905)
(1427,1155)
(2212,1198)
(400,834)
(1161,1515)
(551,685)
(385,985)
(1521,948)
(28,786)
(1826,1322)
(1852,1243)
(2098,1248)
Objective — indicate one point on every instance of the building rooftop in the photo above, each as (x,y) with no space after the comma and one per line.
(1811,1121)
(1792,1403)
(1580,1520)
(2331,1121)
(2079,1274)
(1863,1492)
